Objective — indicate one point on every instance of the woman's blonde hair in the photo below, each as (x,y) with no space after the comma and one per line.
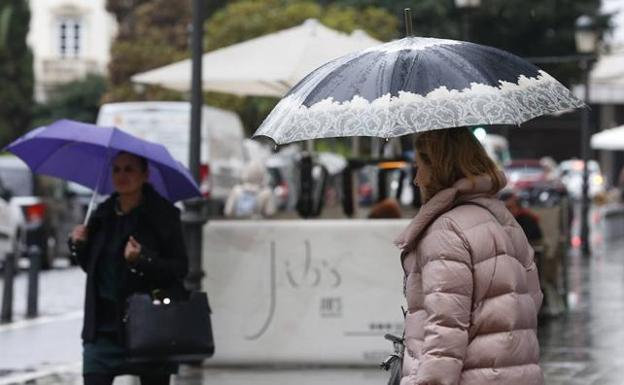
(453,154)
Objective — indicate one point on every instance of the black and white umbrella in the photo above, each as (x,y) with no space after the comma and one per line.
(413,85)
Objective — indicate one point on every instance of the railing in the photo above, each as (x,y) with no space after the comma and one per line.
(62,70)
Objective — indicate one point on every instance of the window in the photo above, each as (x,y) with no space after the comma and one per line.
(70,33)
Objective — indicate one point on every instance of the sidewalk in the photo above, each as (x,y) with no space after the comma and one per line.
(60,291)
(585,346)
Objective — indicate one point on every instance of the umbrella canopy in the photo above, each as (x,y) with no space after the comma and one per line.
(611,139)
(412,85)
(82,153)
(265,66)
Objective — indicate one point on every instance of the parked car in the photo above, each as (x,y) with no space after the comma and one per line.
(534,182)
(10,219)
(571,172)
(48,209)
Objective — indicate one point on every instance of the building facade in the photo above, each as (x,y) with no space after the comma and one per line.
(69,39)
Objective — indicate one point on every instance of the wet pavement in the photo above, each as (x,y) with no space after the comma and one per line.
(586,345)
(583,346)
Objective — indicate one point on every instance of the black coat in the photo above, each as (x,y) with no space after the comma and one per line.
(163,263)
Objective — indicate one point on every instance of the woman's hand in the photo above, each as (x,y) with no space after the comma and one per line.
(79,234)
(133,250)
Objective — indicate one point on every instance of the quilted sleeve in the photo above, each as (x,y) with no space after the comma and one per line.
(447,286)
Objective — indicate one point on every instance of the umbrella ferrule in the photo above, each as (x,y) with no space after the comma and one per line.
(409,27)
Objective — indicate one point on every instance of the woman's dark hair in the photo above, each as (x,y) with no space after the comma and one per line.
(142,160)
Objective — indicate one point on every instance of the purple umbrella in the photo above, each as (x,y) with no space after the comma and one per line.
(82,153)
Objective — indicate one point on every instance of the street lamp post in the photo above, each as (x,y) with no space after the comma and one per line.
(586,39)
(193,217)
(466,6)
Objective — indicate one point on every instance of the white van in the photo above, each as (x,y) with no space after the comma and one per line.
(168,123)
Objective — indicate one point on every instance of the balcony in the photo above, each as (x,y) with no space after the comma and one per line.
(62,70)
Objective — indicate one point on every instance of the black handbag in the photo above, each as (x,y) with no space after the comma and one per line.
(394,362)
(165,329)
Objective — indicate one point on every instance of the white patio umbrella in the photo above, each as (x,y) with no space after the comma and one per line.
(611,139)
(265,66)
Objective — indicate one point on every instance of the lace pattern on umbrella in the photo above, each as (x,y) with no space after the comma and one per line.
(408,113)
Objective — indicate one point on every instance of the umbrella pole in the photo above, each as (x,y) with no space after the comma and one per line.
(95,194)
(91,202)
(409,27)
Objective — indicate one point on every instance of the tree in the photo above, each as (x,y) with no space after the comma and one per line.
(246,19)
(78,100)
(532,28)
(153,33)
(526,28)
(16,72)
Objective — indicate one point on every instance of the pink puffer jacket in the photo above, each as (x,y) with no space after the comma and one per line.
(472,293)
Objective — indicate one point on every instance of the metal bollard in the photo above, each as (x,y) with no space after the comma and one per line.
(7,293)
(34,255)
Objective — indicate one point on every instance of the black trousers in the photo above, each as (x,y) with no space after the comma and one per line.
(107,379)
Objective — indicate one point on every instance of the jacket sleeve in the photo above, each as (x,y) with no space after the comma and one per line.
(447,288)
(164,269)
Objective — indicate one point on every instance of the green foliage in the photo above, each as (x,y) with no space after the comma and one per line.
(78,100)
(377,22)
(153,34)
(132,56)
(533,28)
(5,22)
(341,146)
(245,19)
(436,18)
(16,73)
(527,28)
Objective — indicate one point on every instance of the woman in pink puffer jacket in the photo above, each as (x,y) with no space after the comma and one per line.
(471,283)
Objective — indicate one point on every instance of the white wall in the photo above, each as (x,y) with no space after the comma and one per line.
(294,292)
(98,31)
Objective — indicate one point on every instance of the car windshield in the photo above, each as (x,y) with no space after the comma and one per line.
(19,182)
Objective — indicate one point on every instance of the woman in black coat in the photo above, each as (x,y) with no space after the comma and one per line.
(132,244)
